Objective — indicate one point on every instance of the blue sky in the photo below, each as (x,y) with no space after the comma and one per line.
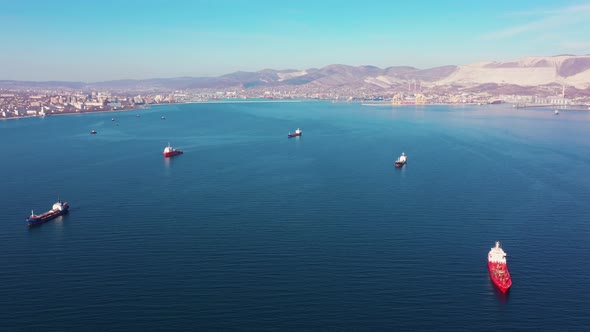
(102,40)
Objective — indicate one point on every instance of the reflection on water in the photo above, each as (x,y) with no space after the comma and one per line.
(497,293)
(59,221)
(503,297)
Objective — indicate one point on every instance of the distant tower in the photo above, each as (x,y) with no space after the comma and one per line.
(563,92)
(397,99)
(420,99)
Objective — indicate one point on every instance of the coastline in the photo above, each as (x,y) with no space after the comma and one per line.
(76,113)
(557,107)
(229,101)
(252,101)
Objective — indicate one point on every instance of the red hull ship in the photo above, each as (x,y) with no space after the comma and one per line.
(401,161)
(498,268)
(295,134)
(170,151)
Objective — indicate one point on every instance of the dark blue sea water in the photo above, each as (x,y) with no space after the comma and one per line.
(250,230)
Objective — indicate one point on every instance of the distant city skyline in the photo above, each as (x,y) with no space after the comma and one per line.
(108,40)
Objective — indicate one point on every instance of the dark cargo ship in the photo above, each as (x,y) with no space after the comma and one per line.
(59,208)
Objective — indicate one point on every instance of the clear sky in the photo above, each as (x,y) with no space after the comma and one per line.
(90,41)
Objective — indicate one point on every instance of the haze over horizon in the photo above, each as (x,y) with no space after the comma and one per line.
(71,41)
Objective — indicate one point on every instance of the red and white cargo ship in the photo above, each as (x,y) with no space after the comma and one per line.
(170,151)
(401,161)
(498,268)
(295,134)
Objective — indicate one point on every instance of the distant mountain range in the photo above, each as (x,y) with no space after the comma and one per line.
(522,76)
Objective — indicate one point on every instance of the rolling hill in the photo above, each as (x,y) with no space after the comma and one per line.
(520,75)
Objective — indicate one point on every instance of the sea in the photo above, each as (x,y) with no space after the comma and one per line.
(251,230)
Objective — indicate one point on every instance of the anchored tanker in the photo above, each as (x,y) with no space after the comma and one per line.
(498,268)
(401,161)
(57,210)
(295,134)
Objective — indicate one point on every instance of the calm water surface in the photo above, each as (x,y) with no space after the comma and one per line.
(251,230)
